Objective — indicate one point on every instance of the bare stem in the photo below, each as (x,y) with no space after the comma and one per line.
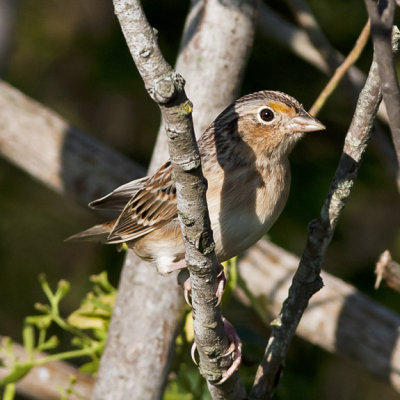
(307,280)
(382,16)
(340,72)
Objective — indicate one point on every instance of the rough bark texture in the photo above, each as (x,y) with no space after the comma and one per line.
(149,307)
(307,280)
(146,282)
(382,17)
(167,89)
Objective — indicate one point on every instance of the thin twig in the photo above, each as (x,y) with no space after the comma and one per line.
(307,280)
(340,72)
(306,19)
(382,16)
(353,80)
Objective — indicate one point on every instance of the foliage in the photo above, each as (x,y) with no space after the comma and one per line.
(88,326)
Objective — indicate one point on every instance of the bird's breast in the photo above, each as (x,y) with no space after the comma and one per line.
(244,203)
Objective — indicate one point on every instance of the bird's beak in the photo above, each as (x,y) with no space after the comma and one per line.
(305,123)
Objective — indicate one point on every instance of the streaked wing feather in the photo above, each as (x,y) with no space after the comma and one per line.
(118,198)
(151,206)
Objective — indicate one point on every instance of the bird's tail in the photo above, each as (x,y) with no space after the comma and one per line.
(97,233)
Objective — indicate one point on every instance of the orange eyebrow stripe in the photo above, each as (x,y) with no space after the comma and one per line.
(280,107)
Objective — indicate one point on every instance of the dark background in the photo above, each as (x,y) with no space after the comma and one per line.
(71,56)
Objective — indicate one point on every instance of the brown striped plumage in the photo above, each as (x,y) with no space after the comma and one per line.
(245,161)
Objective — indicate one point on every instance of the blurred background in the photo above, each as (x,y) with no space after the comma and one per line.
(71,56)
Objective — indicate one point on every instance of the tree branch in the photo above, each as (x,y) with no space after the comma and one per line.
(326,59)
(338,319)
(218,36)
(381,29)
(268,268)
(57,154)
(342,69)
(166,88)
(141,316)
(306,280)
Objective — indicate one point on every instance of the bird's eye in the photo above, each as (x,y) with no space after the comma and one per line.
(266,114)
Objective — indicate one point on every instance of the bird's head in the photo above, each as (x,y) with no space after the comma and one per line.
(272,122)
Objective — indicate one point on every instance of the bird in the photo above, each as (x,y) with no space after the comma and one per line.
(244,157)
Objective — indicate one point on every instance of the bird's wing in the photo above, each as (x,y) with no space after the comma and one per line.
(118,198)
(152,206)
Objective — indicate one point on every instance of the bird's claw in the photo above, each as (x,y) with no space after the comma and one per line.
(235,348)
(187,287)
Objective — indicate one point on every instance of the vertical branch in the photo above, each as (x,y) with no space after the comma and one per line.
(215,47)
(143,322)
(165,86)
(382,16)
(307,280)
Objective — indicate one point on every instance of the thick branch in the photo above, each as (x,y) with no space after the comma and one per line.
(306,280)
(381,29)
(42,143)
(142,317)
(166,88)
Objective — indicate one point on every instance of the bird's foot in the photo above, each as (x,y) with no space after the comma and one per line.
(234,349)
(187,287)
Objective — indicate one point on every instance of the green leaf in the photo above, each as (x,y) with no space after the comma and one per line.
(17,373)
(90,367)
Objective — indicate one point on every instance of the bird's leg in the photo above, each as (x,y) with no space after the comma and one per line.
(234,349)
(235,346)
(186,283)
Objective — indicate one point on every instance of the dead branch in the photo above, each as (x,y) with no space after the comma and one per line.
(342,69)
(47,147)
(338,319)
(382,16)
(307,280)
